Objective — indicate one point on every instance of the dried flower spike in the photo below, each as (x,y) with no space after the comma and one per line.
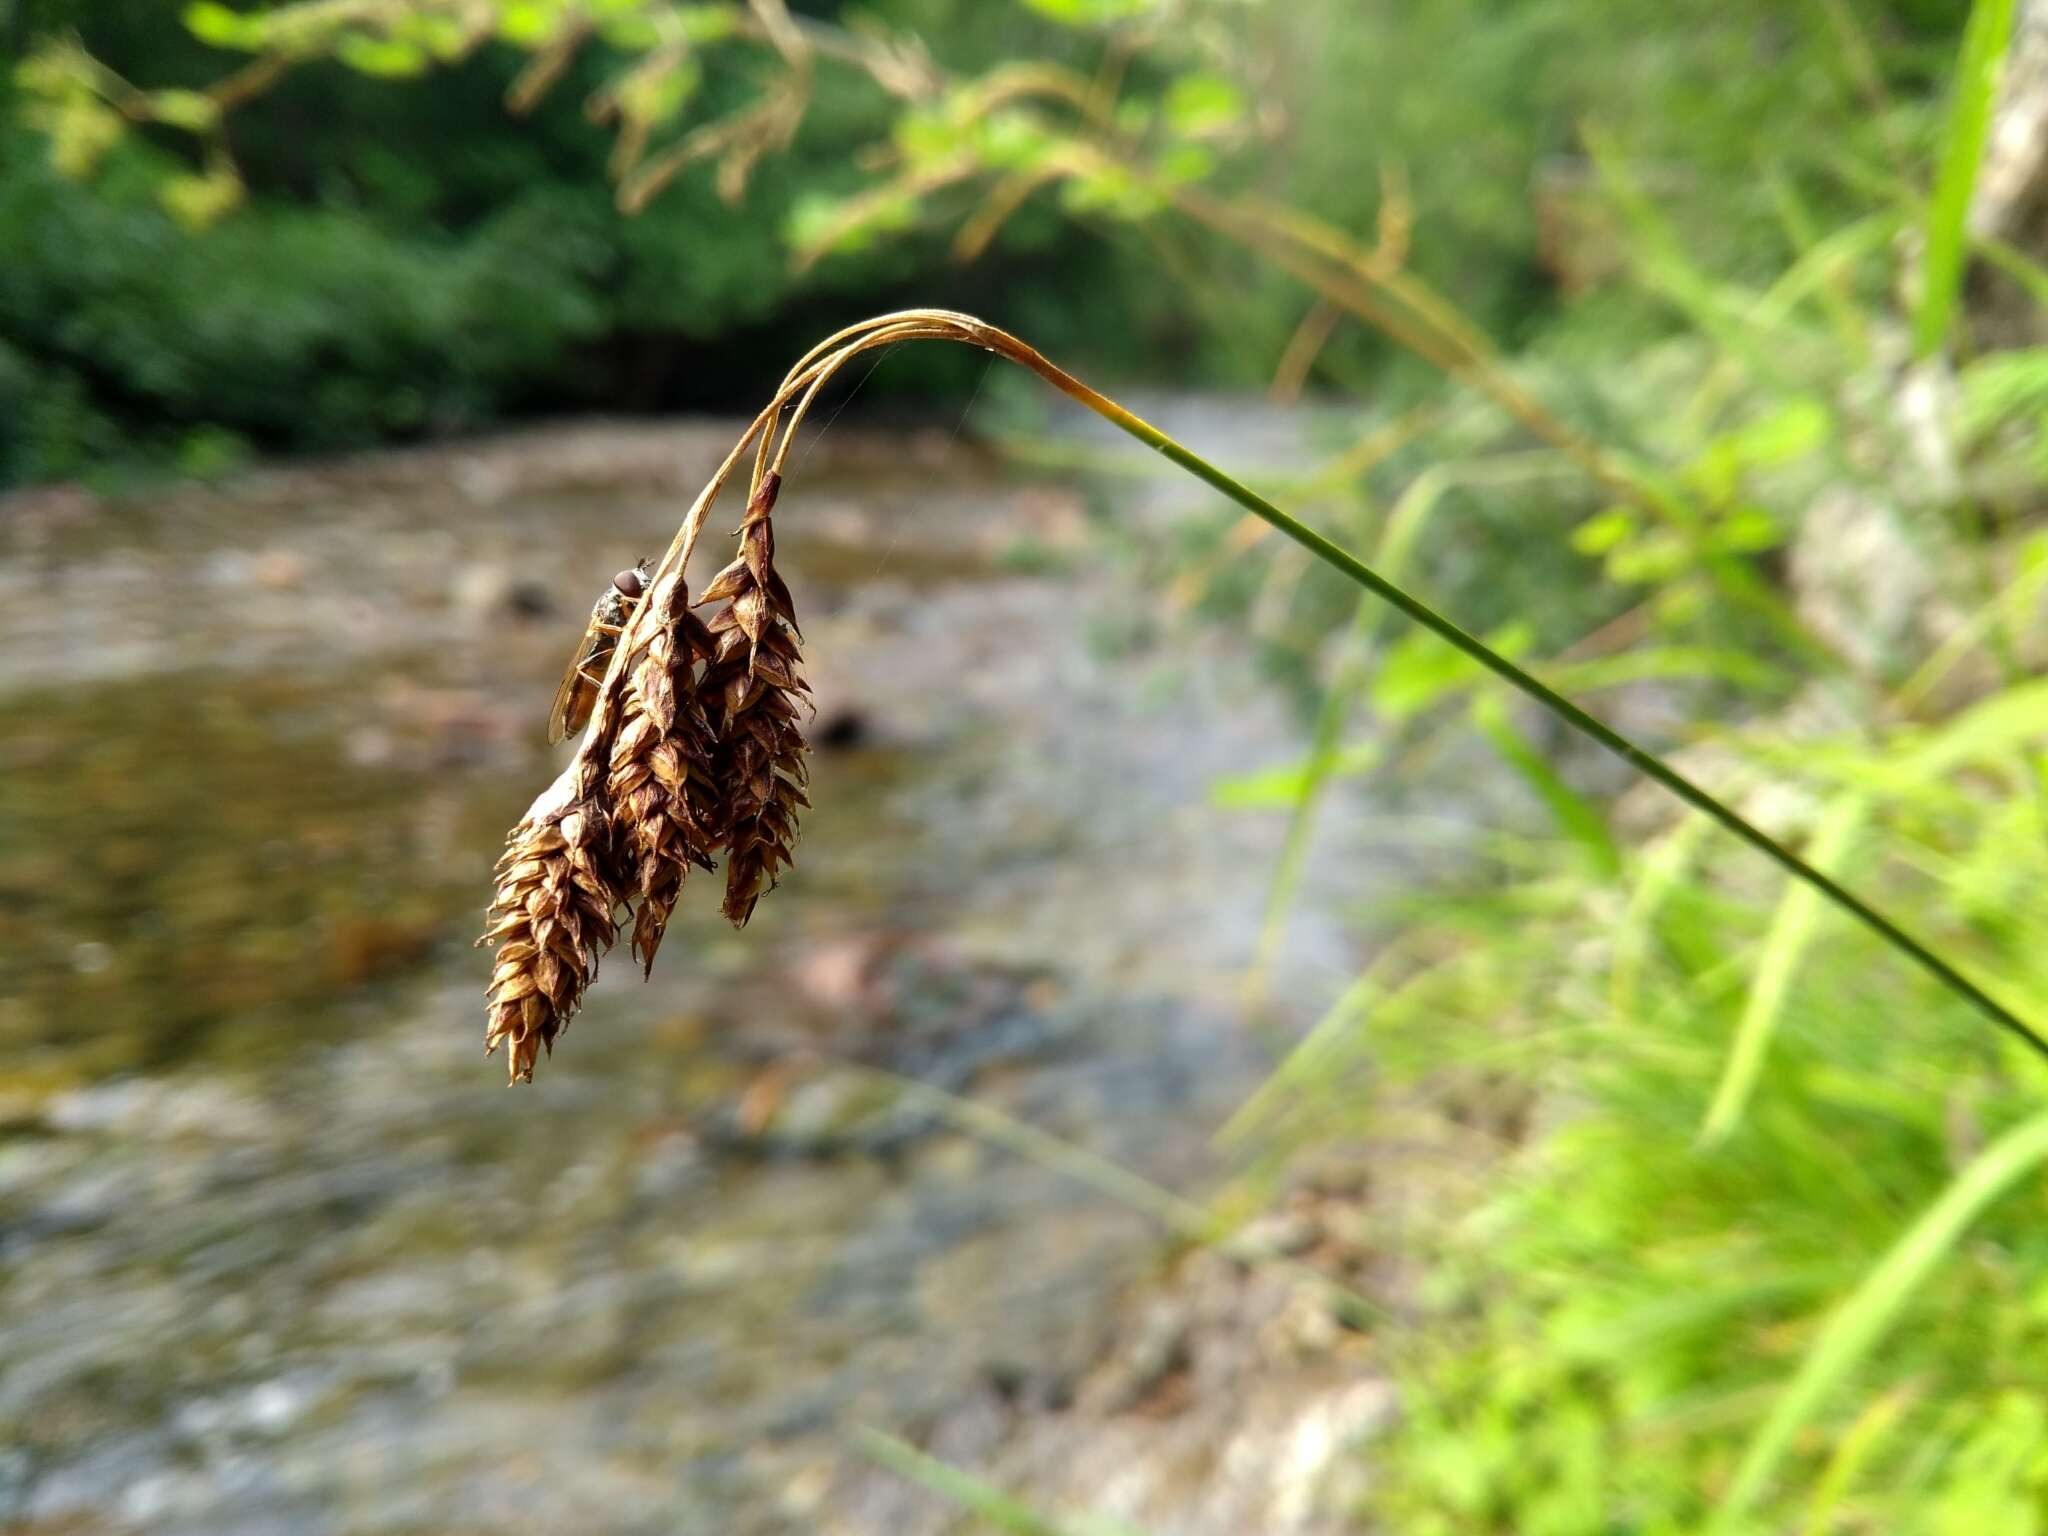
(755,681)
(666,806)
(558,886)
(550,920)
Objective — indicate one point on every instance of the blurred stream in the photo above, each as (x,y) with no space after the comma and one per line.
(279,1251)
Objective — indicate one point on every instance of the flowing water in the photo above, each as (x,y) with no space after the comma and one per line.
(280,1252)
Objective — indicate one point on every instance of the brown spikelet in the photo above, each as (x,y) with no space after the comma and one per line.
(753,687)
(550,920)
(665,804)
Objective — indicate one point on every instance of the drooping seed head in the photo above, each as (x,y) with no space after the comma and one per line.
(667,808)
(755,681)
(550,921)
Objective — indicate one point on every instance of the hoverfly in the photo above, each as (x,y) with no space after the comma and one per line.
(593,653)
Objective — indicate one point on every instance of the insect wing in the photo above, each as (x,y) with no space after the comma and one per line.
(573,700)
(577,693)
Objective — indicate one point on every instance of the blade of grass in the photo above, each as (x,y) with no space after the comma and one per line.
(1860,61)
(1575,815)
(1981,733)
(1398,537)
(1666,662)
(1184,1218)
(1874,1306)
(1869,1431)
(1832,291)
(2015,264)
(1667,866)
(1791,931)
(1969,125)
(1658,255)
(970,1492)
(2009,608)
(1307,1062)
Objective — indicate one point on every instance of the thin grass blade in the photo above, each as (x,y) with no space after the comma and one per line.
(1962,152)
(1792,930)
(1874,1306)
(1576,816)
(1001,1511)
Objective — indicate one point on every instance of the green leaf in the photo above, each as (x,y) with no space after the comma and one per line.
(701,24)
(1790,432)
(1969,126)
(1011,141)
(1185,164)
(926,135)
(528,23)
(1654,557)
(386,57)
(1111,190)
(1420,670)
(819,224)
(1984,732)
(81,131)
(1747,530)
(1779,437)
(656,94)
(1604,531)
(1645,662)
(2003,387)
(1090,13)
(219,26)
(193,111)
(1197,105)
(1285,786)
(441,37)
(198,202)
(629,34)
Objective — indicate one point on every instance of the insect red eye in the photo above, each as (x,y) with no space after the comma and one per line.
(630,583)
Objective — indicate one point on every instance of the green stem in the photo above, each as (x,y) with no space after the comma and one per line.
(1643,761)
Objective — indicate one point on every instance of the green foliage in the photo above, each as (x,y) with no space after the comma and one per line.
(293,327)
(1763,1241)
(383,258)
(1004,127)
(1761,1247)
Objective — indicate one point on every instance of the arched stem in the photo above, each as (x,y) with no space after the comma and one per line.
(800,389)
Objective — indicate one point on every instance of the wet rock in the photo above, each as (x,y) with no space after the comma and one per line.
(530,600)
(1156,1349)
(1857,580)
(841,730)
(279,570)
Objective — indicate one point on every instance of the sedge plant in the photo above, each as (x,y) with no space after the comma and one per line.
(695,748)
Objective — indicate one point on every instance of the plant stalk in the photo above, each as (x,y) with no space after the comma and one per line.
(1638,758)
(782,417)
